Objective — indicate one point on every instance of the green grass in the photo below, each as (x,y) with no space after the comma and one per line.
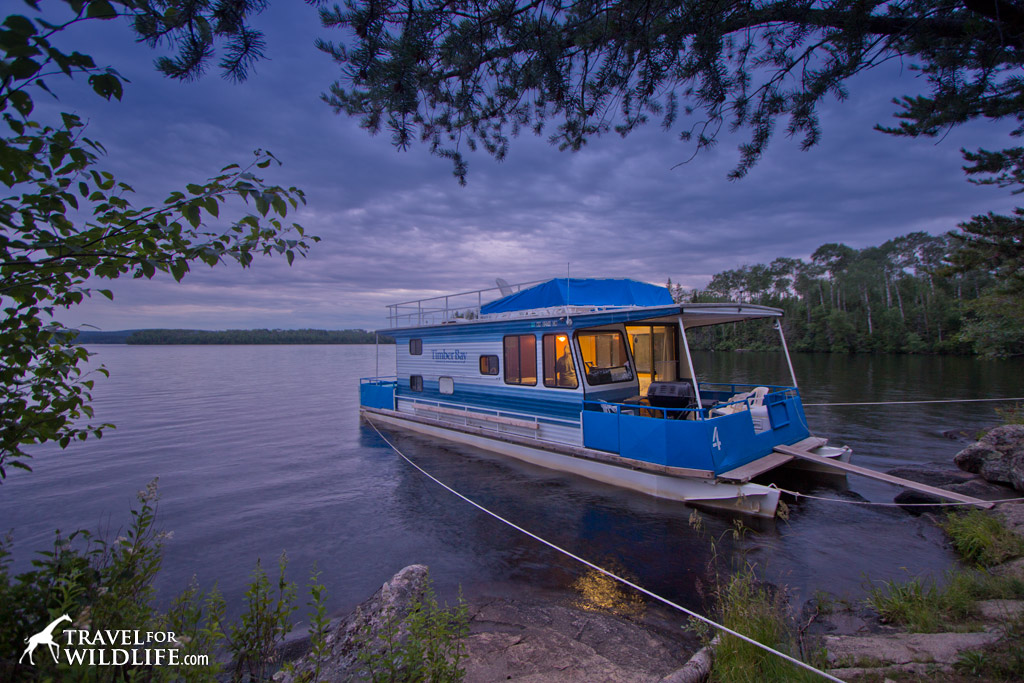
(922,606)
(1003,661)
(981,538)
(760,612)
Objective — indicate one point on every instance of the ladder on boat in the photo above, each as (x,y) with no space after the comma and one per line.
(802,450)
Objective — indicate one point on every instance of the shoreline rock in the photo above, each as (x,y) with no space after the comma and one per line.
(949,478)
(538,640)
(998,456)
(395,597)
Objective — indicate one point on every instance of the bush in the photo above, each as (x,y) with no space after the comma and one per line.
(427,645)
(108,586)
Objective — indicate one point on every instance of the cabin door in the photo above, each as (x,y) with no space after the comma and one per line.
(656,353)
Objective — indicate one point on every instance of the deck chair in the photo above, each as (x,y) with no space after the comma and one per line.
(739,401)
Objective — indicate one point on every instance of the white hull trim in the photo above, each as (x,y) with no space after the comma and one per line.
(752,499)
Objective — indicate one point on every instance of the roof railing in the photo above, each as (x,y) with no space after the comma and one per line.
(448,308)
(465,306)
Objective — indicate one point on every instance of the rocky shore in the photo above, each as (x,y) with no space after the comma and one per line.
(862,648)
(535,641)
(549,639)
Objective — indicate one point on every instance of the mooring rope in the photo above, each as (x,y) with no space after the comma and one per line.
(895,403)
(607,573)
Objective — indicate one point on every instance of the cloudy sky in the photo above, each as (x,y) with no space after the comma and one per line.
(397,226)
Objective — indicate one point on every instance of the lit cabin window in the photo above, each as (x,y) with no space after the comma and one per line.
(488,365)
(446,385)
(521,359)
(415,347)
(559,370)
(605,359)
(416,382)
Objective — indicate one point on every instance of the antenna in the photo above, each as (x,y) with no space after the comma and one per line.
(503,286)
(568,320)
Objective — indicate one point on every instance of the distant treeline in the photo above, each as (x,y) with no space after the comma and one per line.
(254,337)
(103,336)
(918,293)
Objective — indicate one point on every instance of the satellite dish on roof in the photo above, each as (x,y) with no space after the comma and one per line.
(503,287)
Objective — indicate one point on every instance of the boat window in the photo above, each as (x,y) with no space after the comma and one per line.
(521,359)
(415,347)
(488,365)
(559,370)
(605,359)
(416,382)
(446,385)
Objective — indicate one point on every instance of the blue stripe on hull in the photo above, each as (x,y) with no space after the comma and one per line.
(513,399)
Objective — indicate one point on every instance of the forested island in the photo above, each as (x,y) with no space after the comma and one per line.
(161,336)
(920,293)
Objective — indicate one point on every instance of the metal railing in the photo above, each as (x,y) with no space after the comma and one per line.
(448,308)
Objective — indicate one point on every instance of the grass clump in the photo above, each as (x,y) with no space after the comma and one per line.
(761,612)
(1003,661)
(981,538)
(922,606)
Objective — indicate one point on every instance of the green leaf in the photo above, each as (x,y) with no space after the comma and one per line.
(24,68)
(178,269)
(100,9)
(70,120)
(106,85)
(280,206)
(212,206)
(21,101)
(262,205)
(20,25)
(191,213)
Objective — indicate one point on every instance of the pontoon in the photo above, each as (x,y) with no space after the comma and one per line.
(594,377)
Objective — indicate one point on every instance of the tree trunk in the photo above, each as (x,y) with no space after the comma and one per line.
(867,305)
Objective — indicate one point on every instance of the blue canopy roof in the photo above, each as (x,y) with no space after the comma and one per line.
(582,292)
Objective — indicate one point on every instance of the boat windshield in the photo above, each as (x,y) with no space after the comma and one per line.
(605,358)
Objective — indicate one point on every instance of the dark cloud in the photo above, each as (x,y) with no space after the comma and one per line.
(396,225)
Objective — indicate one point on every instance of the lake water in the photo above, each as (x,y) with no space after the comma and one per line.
(259,450)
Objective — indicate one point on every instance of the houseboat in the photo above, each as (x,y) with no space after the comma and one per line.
(594,377)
